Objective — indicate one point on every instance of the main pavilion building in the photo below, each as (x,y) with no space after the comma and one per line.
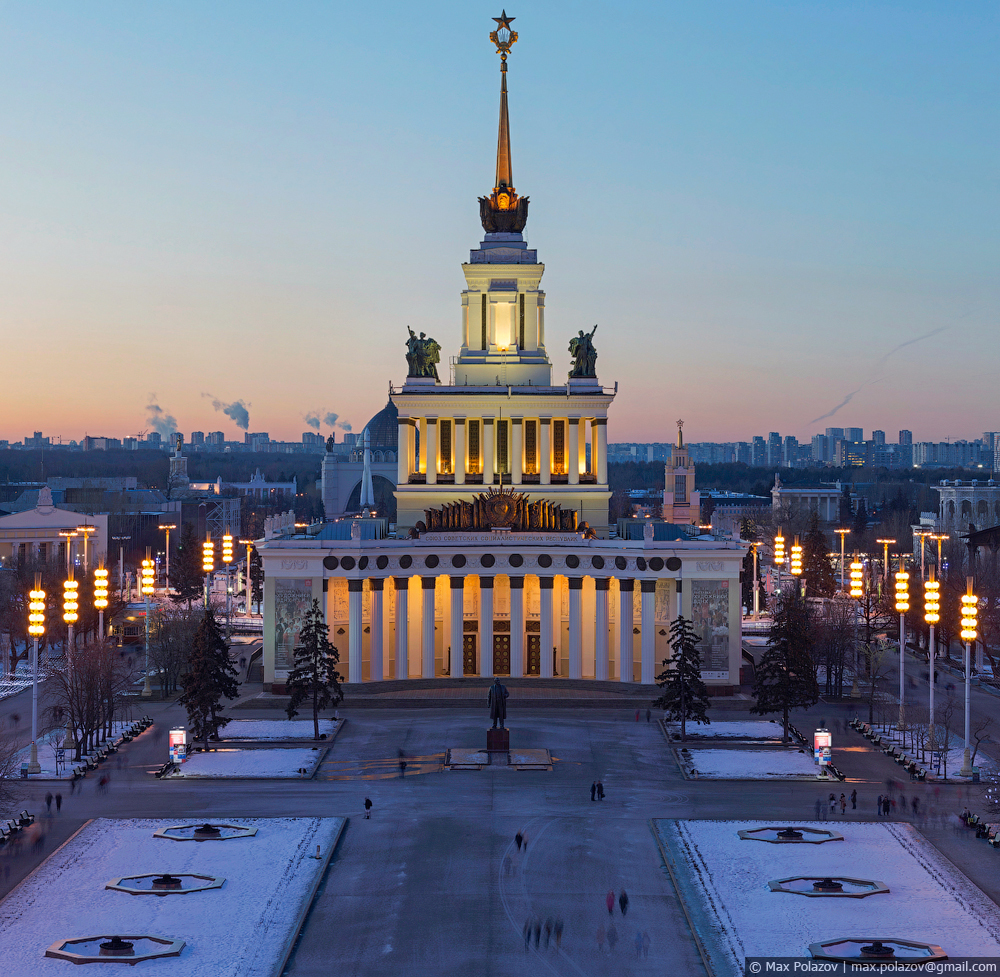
(502,561)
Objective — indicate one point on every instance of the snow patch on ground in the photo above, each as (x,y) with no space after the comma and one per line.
(724,881)
(752,764)
(240,930)
(268,730)
(956,754)
(749,730)
(271,764)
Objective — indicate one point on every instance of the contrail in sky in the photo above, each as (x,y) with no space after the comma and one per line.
(878,366)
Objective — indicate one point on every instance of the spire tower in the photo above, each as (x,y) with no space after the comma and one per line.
(503,211)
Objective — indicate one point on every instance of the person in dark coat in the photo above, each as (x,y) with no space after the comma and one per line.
(368,807)
(518,838)
(854,800)
(600,790)
(593,790)
(623,902)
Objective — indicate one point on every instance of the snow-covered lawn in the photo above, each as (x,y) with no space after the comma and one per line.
(724,882)
(747,730)
(774,764)
(268,764)
(240,930)
(267,730)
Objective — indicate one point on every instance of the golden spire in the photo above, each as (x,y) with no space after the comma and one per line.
(504,38)
(503,210)
(680,434)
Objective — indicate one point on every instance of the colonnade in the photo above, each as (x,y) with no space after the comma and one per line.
(516,659)
(522,450)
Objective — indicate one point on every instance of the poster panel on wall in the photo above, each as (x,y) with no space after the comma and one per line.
(292,600)
(710,617)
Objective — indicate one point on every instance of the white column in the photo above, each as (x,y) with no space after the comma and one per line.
(601,449)
(402,624)
(648,628)
(516,450)
(601,629)
(432,450)
(575,627)
(427,627)
(457,624)
(573,452)
(516,627)
(486,625)
(377,626)
(544,451)
(488,442)
(545,625)
(354,630)
(459,450)
(625,625)
(421,456)
(402,450)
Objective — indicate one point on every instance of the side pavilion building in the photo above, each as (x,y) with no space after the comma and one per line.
(503,561)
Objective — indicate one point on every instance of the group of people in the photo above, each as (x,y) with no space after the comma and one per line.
(597,791)
(833,803)
(552,928)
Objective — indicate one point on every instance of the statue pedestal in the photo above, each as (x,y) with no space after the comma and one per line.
(583,384)
(498,740)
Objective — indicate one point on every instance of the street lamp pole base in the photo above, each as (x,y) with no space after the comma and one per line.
(966,770)
(147,690)
(33,765)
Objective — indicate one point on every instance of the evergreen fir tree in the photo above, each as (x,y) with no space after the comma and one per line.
(860,526)
(256,579)
(210,678)
(186,576)
(314,677)
(846,507)
(684,694)
(786,674)
(817,569)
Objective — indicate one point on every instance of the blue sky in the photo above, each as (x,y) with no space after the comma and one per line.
(756,201)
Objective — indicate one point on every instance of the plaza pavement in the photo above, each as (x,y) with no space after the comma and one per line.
(424,887)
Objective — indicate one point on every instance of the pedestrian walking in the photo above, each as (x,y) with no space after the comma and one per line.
(549,926)
(818,805)
(508,866)
(609,901)
(843,805)
(59,803)
(600,937)
(518,838)
(833,804)
(645,944)
(915,802)
(72,785)
(524,843)
(538,931)
(878,806)
(600,790)
(402,764)
(48,802)
(854,799)
(623,902)
(593,790)
(527,934)
(612,937)
(637,715)
(885,806)
(559,931)
(368,807)
(638,944)
(649,715)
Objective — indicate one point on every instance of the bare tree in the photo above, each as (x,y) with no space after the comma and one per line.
(944,728)
(876,658)
(980,733)
(835,641)
(10,788)
(173,630)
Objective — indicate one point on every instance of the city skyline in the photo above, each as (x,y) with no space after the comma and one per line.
(207,219)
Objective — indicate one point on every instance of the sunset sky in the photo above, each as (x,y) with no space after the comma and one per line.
(760,203)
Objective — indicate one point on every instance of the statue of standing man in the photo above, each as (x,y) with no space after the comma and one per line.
(422,355)
(496,698)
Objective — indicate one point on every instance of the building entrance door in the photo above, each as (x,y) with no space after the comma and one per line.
(501,654)
(534,654)
(469,666)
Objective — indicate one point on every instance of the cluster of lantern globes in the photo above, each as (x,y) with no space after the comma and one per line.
(932,589)
(71,588)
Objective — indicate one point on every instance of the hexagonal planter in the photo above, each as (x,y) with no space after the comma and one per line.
(784,835)
(824,887)
(857,949)
(204,832)
(162,884)
(115,949)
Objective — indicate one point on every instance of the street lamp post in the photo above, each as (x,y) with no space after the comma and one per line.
(85,530)
(227,559)
(796,565)
(69,534)
(970,614)
(100,596)
(71,605)
(148,585)
(756,589)
(779,557)
(166,577)
(120,540)
(36,628)
(932,607)
(248,543)
(207,563)
(886,543)
(842,533)
(939,538)
(902,606)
